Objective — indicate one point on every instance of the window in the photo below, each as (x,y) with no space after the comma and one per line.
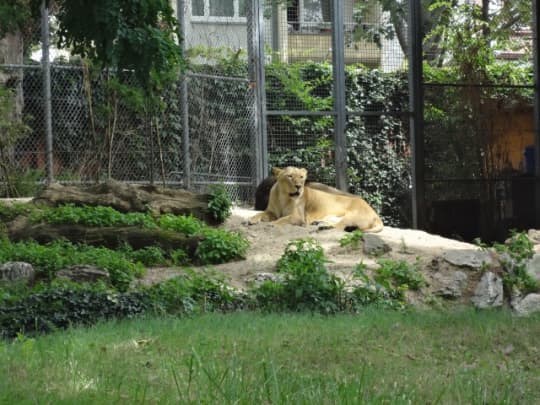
(308,15)
(219,10)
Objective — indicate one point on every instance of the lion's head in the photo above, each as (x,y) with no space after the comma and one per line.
(291,180)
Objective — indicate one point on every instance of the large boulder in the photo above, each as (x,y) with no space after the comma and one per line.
(488,292)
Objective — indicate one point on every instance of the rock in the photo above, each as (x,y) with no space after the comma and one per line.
(17,271)
(260,278)
(528,305)
(534,236)
(83,273)
(475,259)
(533,267)
(375,245)
(488,292)
(450,285)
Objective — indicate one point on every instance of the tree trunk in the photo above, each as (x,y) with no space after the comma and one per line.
(131,198)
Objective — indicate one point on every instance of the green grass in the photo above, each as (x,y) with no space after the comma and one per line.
(374,357)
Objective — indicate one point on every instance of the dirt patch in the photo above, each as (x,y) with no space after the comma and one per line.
(268,242)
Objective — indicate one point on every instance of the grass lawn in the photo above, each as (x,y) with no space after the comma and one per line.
(247,358)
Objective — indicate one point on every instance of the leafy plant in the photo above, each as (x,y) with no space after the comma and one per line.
(370,293)
(399,275)
(188,225)
(307,285)
(92,216)
(219,203)
(48,259)
(352,239)
(514,255)
(148,256)
(61,307)
(220,246)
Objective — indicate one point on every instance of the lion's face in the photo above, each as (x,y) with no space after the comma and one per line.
(292,180)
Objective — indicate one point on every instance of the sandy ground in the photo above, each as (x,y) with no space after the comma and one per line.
(268,242)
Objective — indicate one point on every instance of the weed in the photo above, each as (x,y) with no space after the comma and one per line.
(188,225)
(399,274)
(352,239)
(219,203)
(514,256)
(220,246)
(48,259)
(92,216)
(307,285)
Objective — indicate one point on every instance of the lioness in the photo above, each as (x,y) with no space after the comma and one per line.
(292,202)
(262,193)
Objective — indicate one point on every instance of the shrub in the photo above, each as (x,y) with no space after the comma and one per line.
(188,225)
(514,256)
(399,274)
(307,284)
(48,259)
(219,203)
(92,216)
(220,246)
(352,239)
(61,307)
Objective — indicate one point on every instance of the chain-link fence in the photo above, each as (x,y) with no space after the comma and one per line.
(320,84)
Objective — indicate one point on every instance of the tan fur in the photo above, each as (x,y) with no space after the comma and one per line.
(292,202)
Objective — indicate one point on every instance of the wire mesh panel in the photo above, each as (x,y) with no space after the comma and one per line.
(220,97)
(220,128)
(301,97)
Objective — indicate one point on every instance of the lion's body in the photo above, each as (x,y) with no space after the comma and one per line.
(293,202)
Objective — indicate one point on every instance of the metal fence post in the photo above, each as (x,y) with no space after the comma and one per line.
(186,158)
(416,107)
(256,59)
(536,111)
(340,108)
(46,68)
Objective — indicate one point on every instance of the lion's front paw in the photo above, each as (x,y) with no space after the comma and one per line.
(323,225)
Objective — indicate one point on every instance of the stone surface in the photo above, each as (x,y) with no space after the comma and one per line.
(450,284)
(534,236)
(17,271)
(83,273)
(528,305)
(533,267)
(488,292)
(374,244)
(260,278)
(472,258)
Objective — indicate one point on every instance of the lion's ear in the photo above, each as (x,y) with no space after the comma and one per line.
(276,171)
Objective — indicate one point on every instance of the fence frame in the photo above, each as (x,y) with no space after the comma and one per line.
(256,78)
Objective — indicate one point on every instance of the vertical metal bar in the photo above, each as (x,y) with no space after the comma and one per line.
(256,58)
(340,109)
(536,111)
(416,106)
(46,68)
(186,158)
